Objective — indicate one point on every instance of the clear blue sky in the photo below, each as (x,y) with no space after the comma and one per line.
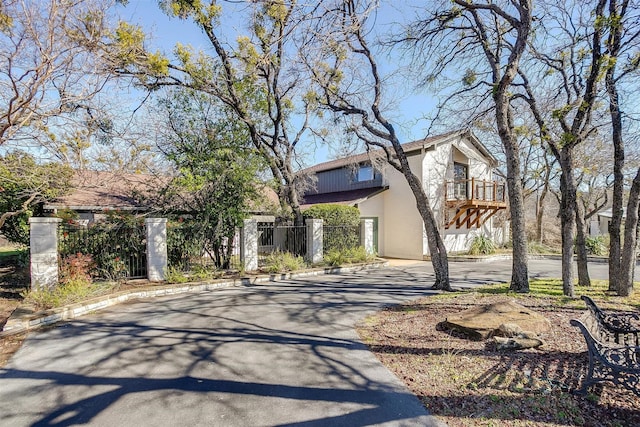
(166,32)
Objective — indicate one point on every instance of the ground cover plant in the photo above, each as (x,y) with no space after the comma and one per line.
(470,383)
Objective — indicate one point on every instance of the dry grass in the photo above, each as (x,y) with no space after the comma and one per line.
(469,383)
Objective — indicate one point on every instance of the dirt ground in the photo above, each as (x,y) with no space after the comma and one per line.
(469,383)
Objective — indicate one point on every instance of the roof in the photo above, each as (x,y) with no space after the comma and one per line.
(99,190)
(608,213)
(408,148)
(351,197)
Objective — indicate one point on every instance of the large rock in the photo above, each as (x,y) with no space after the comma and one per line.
(485,321)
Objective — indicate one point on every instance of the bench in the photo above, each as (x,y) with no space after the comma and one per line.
(612,344)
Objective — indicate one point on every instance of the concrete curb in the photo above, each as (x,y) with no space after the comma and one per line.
(25,319)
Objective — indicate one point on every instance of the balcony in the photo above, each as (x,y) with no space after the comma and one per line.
(474,201)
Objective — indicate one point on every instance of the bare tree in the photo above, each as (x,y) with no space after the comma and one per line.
(48,72)
(343,91)
(482,43)
(255,76)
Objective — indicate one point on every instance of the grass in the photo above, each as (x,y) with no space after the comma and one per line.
(553,288)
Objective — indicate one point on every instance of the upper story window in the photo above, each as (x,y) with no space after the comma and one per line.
(365,173)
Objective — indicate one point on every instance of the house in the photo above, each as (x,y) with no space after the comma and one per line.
(599,226)
(93,193)
(457,173)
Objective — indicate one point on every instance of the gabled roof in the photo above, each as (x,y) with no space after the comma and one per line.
(408,147)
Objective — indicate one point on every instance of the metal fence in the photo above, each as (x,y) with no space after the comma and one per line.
(340,237)
(281,238)
(118,251)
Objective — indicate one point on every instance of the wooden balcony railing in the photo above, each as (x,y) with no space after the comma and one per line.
(471,202)
(474,190)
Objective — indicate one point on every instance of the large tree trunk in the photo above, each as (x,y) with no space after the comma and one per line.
(631,229)
(618,160)
(581,247)
(437,249)
(567,218)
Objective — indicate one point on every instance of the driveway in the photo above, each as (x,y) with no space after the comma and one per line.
(280,354)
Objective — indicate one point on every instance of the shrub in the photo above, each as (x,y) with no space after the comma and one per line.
(337,257)
(596,245)
(482,245)
(280,262)
(341,225)
(77,268)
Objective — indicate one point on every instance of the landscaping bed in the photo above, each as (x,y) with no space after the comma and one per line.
(470,383)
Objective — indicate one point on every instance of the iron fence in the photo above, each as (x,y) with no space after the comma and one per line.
(118,251)
(281,238)
(340,237)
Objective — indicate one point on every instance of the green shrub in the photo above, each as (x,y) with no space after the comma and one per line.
(175,275)
(334,215)
(281,262)
(596,245)
(337,257)
(482,245)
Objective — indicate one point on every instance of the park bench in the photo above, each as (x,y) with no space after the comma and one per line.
(612,344)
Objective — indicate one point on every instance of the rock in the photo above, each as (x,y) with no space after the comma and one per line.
(508,330)
(482,322)
(517,343)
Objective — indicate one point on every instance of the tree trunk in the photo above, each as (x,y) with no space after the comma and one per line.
(618,165)
(567,218)
(631,229)
(437,249)
(581,247)
(540,212)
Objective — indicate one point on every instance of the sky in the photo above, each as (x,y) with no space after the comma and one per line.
(165,32)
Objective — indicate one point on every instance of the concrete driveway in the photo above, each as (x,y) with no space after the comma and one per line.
(280,354)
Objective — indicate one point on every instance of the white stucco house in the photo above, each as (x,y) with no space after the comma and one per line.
(457,173)
(599,225)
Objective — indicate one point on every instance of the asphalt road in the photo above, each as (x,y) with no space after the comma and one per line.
(280,354)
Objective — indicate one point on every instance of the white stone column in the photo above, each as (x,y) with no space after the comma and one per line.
(157,260)
(366,235)
(43,247)
(314,241)
(249,245)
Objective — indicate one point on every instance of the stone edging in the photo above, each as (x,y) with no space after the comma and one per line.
(23,319)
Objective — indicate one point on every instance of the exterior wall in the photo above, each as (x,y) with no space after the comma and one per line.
(343,179)
(403,228)
(437,168)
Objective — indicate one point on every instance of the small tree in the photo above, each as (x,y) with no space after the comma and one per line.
(215,183)
(24,186)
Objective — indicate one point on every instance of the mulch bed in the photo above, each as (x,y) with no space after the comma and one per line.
(470,383)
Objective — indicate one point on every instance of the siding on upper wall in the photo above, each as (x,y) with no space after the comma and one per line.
(343,179)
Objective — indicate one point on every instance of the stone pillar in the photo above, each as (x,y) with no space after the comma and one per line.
(157,260)
(366,235)
(314,241)
(249,245)
(43,235)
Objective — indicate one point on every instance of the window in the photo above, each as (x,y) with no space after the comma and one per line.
(365,173)
(460,177)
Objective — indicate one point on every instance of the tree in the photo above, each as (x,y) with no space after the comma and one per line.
(255,77)
(623,61)
(48,73)
(24,186)
(338,74)
(215,183)
(480,44)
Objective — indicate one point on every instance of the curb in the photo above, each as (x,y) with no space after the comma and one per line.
(24,319)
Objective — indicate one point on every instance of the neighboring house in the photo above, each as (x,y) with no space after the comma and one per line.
(457,172)
(600,225)
(94,193)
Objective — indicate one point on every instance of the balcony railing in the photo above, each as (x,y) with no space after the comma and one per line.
(474,190)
